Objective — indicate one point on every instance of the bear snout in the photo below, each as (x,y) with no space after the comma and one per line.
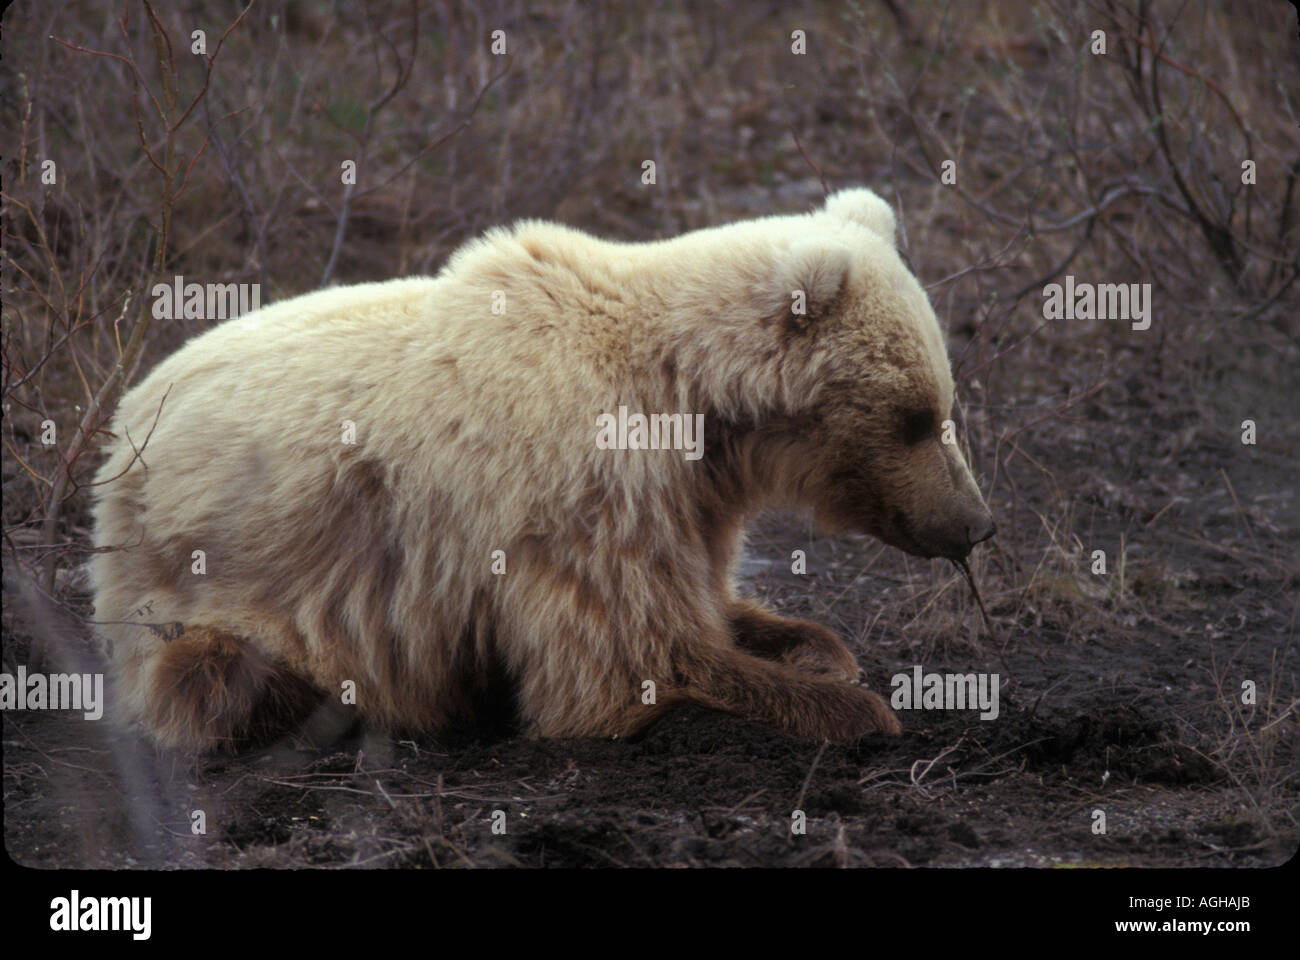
(976,527)
(983,529)
(953,539)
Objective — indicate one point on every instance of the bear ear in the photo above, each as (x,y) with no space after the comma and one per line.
(864,208)
(809,280)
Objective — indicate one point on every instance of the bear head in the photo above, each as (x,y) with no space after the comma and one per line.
(879,450)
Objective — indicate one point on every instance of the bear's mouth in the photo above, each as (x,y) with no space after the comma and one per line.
(907,539)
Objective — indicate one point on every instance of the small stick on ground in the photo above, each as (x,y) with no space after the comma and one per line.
(964,567)
(798,803)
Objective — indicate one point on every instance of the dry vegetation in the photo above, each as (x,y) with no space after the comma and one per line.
(1087,435)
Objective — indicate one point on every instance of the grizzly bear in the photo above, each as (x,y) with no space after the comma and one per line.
(392,495)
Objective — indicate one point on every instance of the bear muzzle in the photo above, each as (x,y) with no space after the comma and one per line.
(976,526)
(983,529)
(952,539)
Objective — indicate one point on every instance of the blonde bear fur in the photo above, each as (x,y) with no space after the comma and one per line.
(372,561)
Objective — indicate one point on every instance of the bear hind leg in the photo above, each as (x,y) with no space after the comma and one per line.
(211,690)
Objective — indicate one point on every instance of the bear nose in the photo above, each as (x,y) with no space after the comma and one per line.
(981,530)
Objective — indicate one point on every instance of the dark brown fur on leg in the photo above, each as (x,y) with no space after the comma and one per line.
(800,643)
(212,690)
(799,703)
(641,719)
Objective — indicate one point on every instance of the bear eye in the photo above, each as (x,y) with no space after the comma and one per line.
(917,425)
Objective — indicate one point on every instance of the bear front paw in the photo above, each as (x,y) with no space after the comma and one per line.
(868,713)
